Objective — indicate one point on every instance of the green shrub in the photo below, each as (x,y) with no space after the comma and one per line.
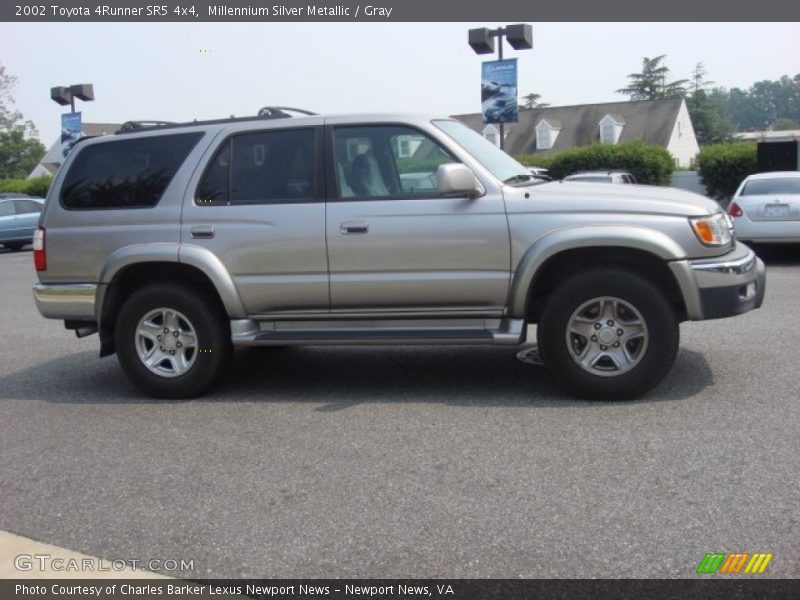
(722,167)
(37,186)
(647,162)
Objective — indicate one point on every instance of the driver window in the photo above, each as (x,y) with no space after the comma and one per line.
(387,161)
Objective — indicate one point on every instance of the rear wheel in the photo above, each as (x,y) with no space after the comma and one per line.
(608,334)
(14,246)
(171,341)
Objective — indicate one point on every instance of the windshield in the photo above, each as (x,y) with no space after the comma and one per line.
(777,186)
(500,164)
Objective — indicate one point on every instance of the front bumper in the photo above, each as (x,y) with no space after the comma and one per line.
(75,301)
(729,285)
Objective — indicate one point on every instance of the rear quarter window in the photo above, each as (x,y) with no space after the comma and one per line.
(125,173)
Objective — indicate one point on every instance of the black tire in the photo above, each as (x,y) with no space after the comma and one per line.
(213,338)
(14,246)
(659,317)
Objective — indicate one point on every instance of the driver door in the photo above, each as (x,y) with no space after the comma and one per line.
(394,242)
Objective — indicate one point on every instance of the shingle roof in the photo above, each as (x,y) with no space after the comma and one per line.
(648,120)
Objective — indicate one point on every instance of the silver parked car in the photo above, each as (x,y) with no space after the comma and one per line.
(178,242)
(19,217)
(766,208)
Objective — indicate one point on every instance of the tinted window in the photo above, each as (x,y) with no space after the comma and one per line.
(126,173)
(385,161)
(6,209)
(25,207)
(777,186)
(267,167)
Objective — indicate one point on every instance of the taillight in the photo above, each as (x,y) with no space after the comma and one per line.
(735,210)
(39,254)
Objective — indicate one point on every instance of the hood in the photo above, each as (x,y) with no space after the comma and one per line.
(614,197)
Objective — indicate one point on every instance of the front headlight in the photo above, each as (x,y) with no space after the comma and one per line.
(713,230)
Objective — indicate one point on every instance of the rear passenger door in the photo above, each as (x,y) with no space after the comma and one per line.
(258,207)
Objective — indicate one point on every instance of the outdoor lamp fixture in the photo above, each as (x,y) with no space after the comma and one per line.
(481,40)
(519,36)
(64,95)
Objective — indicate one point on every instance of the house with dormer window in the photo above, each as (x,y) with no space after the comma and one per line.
(552,129)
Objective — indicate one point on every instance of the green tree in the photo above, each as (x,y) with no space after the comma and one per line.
(709,117)
(784,124)
(531,101)
(18,154)
(651,83)
(763,103)
(20,149)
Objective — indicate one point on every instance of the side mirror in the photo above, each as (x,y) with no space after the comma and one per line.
(456,179)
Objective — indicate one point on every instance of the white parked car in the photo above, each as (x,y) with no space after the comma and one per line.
(601,177)
(766,208)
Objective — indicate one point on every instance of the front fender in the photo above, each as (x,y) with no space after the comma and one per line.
(586,236)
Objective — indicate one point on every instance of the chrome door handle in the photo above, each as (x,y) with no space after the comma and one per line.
(353,227)
(202,231)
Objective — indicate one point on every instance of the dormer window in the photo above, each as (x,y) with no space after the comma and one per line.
(610,129)
(546,133)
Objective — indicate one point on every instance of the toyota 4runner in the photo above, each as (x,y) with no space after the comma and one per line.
(177,242)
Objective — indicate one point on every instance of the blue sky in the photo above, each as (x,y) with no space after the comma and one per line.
(182,71)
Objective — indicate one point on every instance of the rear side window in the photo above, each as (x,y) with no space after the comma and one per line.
(778,186)
(265,167)
(126,173)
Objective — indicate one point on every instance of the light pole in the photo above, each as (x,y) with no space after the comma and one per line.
(64,95)
(481,40)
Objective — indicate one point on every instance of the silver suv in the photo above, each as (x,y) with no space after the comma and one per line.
(179,242)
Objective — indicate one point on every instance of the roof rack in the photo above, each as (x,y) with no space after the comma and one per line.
(266,112)
(279,112)
(129,125)
(14,195)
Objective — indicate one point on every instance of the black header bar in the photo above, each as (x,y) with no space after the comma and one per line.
(400,11)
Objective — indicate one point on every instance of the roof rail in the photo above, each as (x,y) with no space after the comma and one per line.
(129,125)
(267,112)
(279,112)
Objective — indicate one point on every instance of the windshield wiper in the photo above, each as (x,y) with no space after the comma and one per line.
(521,178)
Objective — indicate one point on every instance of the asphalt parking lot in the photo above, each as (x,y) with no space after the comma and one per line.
(408,462)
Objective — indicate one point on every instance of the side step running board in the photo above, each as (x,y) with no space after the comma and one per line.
(250,333)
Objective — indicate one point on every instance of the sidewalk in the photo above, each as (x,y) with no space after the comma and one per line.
(13,546)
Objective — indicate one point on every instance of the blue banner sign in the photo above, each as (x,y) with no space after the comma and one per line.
(499,91)
(70,131)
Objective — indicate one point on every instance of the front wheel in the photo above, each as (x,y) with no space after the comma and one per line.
(171,341)
(608,334)
(14,246)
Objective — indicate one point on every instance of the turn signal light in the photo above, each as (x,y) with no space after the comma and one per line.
(713,230)
(735,210)
(39,254)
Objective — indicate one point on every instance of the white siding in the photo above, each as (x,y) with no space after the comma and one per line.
(683,143)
